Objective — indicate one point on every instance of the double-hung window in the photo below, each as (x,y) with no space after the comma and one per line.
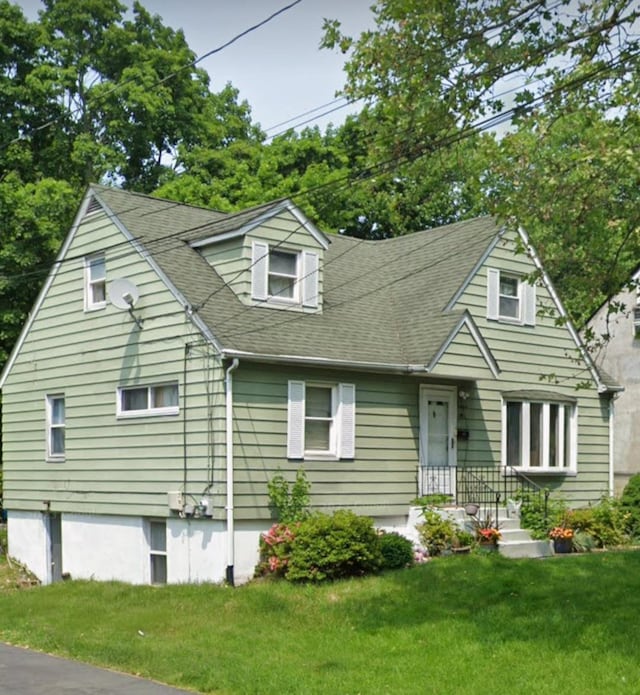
(510,298)
(55,427)
(95,289)
(539,435)
(321,420)
(158,399)
(284,277)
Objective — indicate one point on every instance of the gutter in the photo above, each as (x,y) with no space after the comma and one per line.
(229,452)
(327,362)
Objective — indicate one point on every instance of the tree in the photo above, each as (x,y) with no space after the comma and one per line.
(433,73)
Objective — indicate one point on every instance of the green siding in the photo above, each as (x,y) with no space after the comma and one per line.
(112,465)
(539,357)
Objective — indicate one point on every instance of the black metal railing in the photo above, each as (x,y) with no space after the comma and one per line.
(488,487)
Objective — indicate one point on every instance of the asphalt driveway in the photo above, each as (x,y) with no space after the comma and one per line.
(23,672)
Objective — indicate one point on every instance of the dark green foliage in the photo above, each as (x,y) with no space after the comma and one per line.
(397,551)
(437,533)
(289,503)
(605,522)
(333,547)
(630,503)
(537,518)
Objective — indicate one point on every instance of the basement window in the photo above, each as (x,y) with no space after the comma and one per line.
(158,551)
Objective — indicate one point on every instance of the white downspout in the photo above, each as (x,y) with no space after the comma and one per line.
(229,450)
(612,411)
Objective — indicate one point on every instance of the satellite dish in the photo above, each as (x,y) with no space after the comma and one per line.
(123,294)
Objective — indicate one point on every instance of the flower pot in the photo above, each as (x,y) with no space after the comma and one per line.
(562,545)
(487,546)
(471,508)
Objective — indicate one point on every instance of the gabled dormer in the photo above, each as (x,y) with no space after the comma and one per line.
(272,260)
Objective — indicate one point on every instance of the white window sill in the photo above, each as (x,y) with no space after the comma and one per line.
(320,456)
(148,413)
(95,307)
(568,472)
(56,459)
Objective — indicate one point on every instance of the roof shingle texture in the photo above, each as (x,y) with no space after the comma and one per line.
(383,302)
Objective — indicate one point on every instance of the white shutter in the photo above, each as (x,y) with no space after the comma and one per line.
(529,298)
(347,421)
(295,421)
(493,287)
(259,270)
(309,279)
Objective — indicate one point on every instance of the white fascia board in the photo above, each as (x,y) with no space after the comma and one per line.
(142,251)
(474,270)
(467,320)
(261,219)
(546,280)
(326,362)
(45,288)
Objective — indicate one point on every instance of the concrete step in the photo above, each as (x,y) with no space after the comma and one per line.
(511,535)
(522,549)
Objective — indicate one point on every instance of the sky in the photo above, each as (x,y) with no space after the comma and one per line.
(278,68)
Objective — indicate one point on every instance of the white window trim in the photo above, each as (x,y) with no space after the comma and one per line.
(149,411)
(342,438)
(89,282)
(526,299)
(306,282)
(565,409)
(53,456)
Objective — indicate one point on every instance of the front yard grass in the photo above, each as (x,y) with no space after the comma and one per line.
(477,624)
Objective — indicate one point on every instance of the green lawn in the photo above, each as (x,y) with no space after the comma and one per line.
(480,625)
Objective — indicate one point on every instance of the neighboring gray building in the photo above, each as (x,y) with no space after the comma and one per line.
(617,353)
(177,358)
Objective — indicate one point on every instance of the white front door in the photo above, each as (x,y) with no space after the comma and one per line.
(438,415)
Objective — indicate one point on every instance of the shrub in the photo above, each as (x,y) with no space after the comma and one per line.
(630,502)
(275,550)
(396,550)
(532,513)
(289,503)
(332,547)
(436,499)
(463,539)
(605,522)
(437,532)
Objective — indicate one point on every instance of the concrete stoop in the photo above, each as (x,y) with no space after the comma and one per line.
(515,543)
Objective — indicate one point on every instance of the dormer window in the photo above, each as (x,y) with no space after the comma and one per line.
(283,274)
(284,277)
(509,306)
(510,299)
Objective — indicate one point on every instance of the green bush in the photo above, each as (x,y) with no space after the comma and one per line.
(605,522)
(532,513)
(437,533)
(289,503)
(436,499)
(332,547)
(630,502)
(396,550)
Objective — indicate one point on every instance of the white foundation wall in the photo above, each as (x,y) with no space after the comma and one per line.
(196,551)
(103,548)
(29,542)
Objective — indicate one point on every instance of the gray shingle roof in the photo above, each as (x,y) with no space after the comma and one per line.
(384,301)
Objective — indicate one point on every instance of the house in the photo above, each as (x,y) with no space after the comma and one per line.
(177,358)
(617,352)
